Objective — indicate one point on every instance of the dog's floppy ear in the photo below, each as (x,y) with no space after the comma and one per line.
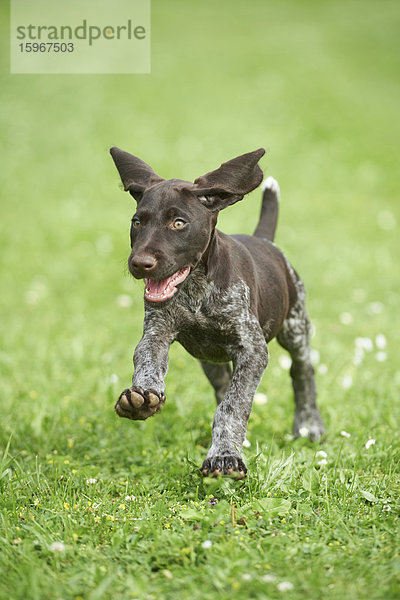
(135,174)
(229,183)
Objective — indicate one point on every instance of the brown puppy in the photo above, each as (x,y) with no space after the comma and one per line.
(222,297)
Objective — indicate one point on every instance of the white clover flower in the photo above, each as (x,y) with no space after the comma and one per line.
(285,586)
(32,297)
(130,498)
(322,454)
(345,433)
(206,544)
(380,356)
(104,245)
(304,432)
(322,462)
(285,362)
(167,574)
(380,341)
(246,444)
(57,547)
(37,291)
(314,356)
(114,378)
(364,343)
(386,220)
(269,578)
(347,382)
(358,356)
(346,318)
(375,308)
(370,443)
(124,301)
(322,369)
(246,577)
(260,399)
(91,481)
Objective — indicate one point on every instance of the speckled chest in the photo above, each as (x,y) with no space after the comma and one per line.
(209,335)
(209,323)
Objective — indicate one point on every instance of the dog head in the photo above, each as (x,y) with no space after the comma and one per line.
(175,219)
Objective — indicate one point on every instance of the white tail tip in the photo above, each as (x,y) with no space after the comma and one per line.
(271,184)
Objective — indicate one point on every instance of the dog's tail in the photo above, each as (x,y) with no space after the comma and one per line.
(269,209)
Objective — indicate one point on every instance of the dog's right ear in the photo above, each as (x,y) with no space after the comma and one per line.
(135,174)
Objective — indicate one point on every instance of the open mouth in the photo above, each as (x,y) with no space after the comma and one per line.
(159,291)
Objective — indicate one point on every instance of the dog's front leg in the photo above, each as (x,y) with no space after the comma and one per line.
(146,396)
(232,414)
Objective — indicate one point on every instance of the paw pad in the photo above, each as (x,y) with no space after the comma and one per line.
(138,404)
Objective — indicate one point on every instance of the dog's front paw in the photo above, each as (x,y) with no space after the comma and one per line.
(138,404)
(224,465)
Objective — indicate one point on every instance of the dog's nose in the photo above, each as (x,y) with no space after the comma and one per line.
(143,262)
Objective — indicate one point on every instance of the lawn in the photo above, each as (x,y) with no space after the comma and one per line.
(97,507)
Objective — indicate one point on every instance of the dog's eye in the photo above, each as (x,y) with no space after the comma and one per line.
(178,224)
(136,222)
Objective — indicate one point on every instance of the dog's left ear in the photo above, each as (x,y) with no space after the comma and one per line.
(228,184)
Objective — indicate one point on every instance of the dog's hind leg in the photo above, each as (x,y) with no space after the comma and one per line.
(219,375)
(295,338)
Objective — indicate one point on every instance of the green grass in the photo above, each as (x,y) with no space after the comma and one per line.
(317,84)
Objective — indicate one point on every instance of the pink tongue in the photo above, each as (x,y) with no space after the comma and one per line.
(158,287)
(158,291)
